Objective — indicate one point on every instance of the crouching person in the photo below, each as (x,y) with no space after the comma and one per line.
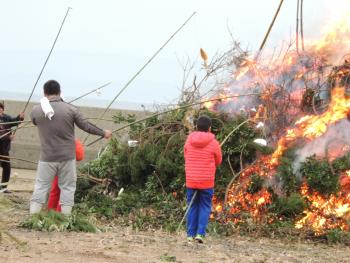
(202,155)
(55,120)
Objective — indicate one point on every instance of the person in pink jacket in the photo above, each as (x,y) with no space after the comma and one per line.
(202,155)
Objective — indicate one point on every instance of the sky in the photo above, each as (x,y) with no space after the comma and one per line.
(110,40)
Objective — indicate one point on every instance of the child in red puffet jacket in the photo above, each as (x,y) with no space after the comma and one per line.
(202,155)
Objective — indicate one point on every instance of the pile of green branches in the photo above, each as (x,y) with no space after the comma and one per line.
(52,221)
(144,186)
(152,173)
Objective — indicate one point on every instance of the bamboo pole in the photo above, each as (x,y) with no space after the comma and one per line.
(141,69)
(47,58)
(302,25)
(15,158)
(43,67)
(89,92)
(14,122)
(187,210)
(5,134)
(269,29)
(297,28)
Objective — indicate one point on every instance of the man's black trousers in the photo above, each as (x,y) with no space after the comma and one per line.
(6,169)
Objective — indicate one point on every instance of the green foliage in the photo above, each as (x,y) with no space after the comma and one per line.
(263,149)
(337,236)
(238,147)
(153,176)
(289,207)
(53,221)
(128,201)
(240,144)
(167,258)
(166,213)
(128,119)
(256,184)
(216,228)
(285,171)
(100,204)
(319,175)
(342,163)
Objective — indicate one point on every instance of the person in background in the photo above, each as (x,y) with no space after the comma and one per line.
(6,136)
(56,120)
(54,198)
(202,154)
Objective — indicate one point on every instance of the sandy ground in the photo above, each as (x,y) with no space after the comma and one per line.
(125,245)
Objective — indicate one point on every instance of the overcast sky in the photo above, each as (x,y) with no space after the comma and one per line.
(109,40)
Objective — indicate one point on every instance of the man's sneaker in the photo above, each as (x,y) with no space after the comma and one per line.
(190,239)
(199,238)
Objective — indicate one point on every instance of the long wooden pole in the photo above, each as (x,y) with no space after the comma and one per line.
(43,67)
(270,27)
(302,25)
(89,92)
(297,28)
(141,69)
(5,158)
(47,58)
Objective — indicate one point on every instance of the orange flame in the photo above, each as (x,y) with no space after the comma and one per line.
(323,213)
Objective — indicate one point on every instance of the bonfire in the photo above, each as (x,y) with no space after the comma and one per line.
(283,122)
(304,103)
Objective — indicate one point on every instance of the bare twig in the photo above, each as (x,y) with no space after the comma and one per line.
(160,182)
(230,165)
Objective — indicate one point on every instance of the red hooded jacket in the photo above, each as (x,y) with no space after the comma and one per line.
(202,156)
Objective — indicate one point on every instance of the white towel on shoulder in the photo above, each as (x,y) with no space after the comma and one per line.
(46,107)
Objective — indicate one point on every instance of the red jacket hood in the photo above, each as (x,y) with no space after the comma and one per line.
(200,139)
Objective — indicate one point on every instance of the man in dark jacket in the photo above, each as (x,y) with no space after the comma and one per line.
(6,123)
(56,120)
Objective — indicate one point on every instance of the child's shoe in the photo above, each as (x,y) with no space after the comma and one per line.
(199,238)
(190,239)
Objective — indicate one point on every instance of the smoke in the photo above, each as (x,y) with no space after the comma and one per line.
(334,42)
(240,104)
(332,144)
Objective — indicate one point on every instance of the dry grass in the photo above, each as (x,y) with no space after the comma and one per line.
(125,245)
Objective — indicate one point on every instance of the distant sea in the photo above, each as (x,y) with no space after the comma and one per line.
(86,102)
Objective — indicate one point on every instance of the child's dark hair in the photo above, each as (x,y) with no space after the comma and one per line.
(52,87)
(2,106)
(203,123)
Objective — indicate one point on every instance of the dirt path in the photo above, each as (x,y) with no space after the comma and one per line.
(125,245)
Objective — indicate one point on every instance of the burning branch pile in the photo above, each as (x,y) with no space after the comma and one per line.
(297,102)
(304,105)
